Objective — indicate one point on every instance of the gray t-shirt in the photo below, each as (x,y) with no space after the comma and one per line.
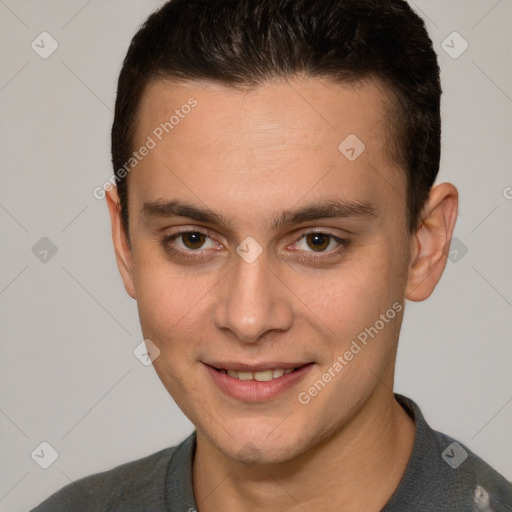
(441,476)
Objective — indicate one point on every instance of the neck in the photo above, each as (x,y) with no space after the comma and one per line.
(358,467)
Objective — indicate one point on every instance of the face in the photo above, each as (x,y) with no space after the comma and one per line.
(260,244)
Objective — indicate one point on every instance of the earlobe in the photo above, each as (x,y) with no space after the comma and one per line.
(431,242)
(122,250)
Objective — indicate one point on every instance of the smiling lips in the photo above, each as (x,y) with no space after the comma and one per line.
(256,382)
(260,376)
(262,372)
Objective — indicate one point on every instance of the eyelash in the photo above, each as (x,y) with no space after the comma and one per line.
(305,256)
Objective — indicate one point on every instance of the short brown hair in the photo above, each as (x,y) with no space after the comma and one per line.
(246,42)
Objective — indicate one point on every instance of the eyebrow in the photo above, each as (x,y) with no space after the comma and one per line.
(324,210)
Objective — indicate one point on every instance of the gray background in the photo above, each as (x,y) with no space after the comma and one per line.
(68,373)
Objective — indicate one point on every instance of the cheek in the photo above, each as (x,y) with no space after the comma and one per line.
(356,292)
(171,309)
(170,301)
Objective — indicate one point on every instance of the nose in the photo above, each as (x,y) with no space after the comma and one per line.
(252,302)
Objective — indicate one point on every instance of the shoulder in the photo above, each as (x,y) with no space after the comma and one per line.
(129,486)
(445,474)
(467,472)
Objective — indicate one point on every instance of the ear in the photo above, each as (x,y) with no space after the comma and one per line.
(431,242)
(121,246)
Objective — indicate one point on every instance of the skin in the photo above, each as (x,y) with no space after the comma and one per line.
(249,156)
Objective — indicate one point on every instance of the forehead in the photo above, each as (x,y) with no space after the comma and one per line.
(302,136)
(273,109)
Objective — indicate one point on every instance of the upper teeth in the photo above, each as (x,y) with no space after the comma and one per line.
(264,375)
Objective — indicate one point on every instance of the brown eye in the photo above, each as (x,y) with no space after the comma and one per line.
(190,244)
(193,239)
(318,241)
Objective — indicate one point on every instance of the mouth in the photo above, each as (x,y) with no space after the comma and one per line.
(260,375)
(256,383)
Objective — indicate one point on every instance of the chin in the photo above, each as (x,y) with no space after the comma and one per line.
(251,454)
(259,446)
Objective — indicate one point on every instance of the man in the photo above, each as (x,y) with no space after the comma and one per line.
(274,207)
